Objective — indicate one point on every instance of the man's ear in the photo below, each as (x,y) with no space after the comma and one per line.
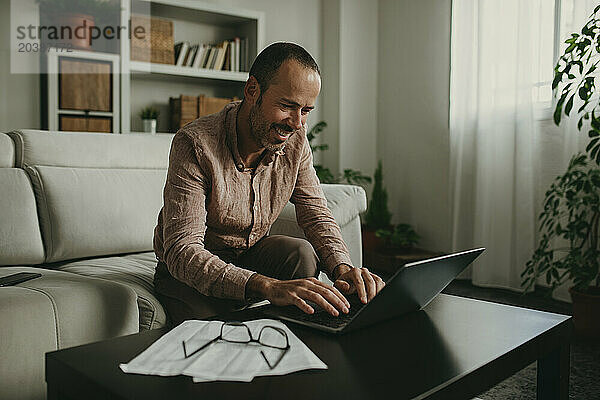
(252,90)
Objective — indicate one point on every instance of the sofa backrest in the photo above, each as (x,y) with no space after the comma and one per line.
(20,236)
(96,194)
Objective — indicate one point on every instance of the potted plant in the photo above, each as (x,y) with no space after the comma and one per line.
(72,20)
(149,116)
(401,237)
(568,247)
(571,206)
(378,215)
(349,176)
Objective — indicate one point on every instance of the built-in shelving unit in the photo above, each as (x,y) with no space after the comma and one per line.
(136,84)
(145,83)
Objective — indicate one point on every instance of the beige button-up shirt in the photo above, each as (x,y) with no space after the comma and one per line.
(212,203)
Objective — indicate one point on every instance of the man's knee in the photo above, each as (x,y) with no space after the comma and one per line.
(305,260)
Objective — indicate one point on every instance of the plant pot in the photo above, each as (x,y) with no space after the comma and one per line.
(149,125)
(586,312)
(79,25)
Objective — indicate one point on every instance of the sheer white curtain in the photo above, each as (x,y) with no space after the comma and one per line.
(492,134)
(500,147)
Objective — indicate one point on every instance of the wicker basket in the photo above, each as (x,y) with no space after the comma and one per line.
(156,45)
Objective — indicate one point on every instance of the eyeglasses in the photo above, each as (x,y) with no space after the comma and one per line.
(238,332)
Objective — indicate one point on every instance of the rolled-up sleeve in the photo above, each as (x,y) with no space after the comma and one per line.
(184,226)
(315,218)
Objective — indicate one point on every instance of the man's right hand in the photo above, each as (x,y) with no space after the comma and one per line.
(297,292)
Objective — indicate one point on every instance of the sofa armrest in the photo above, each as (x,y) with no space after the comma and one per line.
(346,202)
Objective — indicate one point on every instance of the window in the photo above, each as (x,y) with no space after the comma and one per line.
(558,19)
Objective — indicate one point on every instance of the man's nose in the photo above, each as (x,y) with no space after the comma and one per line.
(295,120)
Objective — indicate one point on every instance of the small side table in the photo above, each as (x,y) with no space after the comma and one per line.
(386,262)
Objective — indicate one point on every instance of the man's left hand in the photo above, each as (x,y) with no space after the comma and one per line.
(358,280)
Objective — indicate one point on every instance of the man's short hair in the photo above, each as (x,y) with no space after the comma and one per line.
(269,60)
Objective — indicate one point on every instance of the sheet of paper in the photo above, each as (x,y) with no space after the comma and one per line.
(221,360)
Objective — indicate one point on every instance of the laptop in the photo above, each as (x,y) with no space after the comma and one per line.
(411,288)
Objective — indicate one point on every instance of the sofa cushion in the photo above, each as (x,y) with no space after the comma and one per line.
(133,270)
(87,212)
(91,150)
(346,202)
(20,237)
(55,311)
(7,151)
(28,330)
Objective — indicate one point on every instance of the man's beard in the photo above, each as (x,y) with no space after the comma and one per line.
(262,131)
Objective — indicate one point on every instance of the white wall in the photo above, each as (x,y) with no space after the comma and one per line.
(413,106)
(350,84)
(19,93)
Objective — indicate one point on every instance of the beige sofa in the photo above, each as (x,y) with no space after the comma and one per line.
(80,208)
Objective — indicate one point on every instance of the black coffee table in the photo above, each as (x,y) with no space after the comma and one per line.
(455,348)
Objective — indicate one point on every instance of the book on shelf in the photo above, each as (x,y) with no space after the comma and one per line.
(236,57)
(220,59)
(200,56)
(181,49)
(211,56)
(186,58)
(229,55)
(192,54)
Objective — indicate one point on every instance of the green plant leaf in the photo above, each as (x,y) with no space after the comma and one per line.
(315,130)
(583,93)
(591,144)
(594,152)
(324,174)
(595,123)
(557,114)
(569,105)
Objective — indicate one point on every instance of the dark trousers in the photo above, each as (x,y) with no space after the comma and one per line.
(277,256)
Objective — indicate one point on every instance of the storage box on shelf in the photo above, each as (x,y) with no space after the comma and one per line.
(184,109)
(156,44)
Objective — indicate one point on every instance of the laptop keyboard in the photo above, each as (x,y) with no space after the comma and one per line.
(320,317)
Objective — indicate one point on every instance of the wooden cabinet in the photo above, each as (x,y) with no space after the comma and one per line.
(85,85)
(82,91)
(84,124)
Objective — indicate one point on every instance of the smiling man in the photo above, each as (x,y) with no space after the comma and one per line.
(230,175)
